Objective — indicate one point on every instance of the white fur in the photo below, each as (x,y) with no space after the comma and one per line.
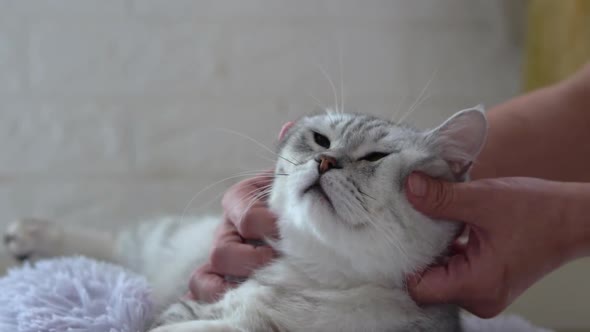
(171,249)
(344,255)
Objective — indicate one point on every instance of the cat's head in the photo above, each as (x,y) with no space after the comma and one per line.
(340,189)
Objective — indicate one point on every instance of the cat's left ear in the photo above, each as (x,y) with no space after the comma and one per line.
(285,129)
(460,139)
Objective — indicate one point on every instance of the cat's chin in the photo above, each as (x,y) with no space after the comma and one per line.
(316,194)
(321,209)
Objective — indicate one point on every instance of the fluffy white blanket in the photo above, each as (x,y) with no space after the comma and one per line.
(82,295)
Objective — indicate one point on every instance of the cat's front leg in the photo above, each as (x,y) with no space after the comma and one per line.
(186,310)
(198,326)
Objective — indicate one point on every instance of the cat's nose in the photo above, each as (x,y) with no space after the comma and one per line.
(326,163)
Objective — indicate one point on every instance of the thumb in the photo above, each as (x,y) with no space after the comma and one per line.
(440,199)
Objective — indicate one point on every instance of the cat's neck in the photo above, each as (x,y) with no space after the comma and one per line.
(324,267)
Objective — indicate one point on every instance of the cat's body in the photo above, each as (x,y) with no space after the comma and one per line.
(348,236)
(280,297)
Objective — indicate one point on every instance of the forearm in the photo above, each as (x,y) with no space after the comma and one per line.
(544,134)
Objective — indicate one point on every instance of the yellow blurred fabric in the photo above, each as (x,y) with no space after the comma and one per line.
(557,40)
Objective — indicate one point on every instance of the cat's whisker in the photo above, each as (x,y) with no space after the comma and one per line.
(243,174)
(367,195)
(322,107)
(383,232)
(259,191)
(263,173)
(398,107)
(209,202)
(256,172)
(417,105)
(390,236)
(341,76)
(256,191)
(246,196)
(327,77)
(265,158)
(253,197)
(330,116)
(414,105)
(253,200)
(297,163)
(317,102)
(258,143)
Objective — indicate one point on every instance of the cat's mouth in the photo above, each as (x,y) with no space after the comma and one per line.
(317,190)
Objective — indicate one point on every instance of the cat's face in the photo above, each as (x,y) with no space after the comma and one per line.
(340,182)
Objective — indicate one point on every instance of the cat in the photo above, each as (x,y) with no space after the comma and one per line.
(348,236)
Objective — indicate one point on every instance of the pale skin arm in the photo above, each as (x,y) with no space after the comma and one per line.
(543,134)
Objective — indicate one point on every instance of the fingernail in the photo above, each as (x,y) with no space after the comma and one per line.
(417,185)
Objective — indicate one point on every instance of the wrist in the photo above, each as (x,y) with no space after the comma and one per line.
(576,221)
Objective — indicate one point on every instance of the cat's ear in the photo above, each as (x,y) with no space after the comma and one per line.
(460,138)
(285,129)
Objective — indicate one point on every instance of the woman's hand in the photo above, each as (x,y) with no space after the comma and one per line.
(231,254)
(520,230)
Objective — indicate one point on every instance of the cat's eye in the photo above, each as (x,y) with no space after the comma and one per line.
(374,156)
(321,140)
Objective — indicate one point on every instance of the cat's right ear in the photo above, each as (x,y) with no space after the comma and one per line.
(285,129)
(459,140)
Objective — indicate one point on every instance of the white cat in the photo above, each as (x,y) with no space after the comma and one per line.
(348,236)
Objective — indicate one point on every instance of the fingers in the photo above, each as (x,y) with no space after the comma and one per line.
(239,259)
(440,284)
(253,219)
(445,200)
(455,283)
(257,223)
(207,286)
(464,280)
(231,256)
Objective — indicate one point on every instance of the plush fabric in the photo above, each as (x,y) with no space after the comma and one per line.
(74,294)
(82,295)
(501,323)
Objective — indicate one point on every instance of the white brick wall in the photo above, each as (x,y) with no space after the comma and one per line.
(12,53)
(63,137)
(109,108)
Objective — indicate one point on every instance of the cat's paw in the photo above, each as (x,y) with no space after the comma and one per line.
(178,312)
(28,239)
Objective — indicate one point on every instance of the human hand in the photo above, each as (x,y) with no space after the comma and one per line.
(520,230)
(231,254)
